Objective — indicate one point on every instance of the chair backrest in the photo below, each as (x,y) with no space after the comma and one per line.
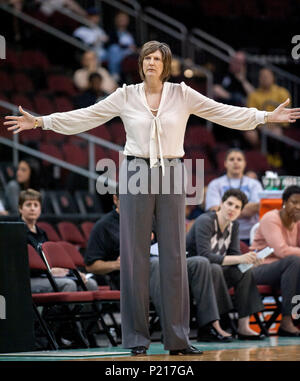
(252,232)
(88,202)
(57,256)
(50,231)
(73,253)
(87,227)
(63,202)
(34,259)
(70,233)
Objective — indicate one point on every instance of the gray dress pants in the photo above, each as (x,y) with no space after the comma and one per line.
(201,286)
(283,274)
(207,286)
(136,214)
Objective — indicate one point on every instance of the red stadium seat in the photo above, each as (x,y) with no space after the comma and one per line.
(117,133)
(34,59)
(63,103)
(50,231)
(52,150)
(102,132)
(73,253)
(61,84)
(43,105)
(31,136)
(198,136)
(22,83)
(22,100)
(75,155)
(86,228)
(51,137)
(6,81)
(70,233)
(100,153)
(13,59)
(4,111)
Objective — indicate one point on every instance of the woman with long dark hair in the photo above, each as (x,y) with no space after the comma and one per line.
(27,176)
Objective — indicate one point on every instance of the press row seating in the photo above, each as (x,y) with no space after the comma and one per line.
(58,254)
(68,231)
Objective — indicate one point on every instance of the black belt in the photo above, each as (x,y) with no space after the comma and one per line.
(147,160)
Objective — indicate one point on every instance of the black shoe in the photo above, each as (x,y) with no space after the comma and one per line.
(139,351)
(210,334)
(186,352)
(284,333)
(251,337)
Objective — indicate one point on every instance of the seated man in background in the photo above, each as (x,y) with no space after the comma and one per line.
(93,94)
(215,235)
(30,203)
(235,164)
(234,86)
(280,229)
(102,258)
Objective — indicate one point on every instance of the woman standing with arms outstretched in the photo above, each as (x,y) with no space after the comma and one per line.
(154,114)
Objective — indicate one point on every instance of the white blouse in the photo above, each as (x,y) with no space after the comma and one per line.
(149,136)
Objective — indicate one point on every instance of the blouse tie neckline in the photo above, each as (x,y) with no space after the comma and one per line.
(155,137)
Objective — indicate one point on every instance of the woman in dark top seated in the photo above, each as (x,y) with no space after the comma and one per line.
(30,202)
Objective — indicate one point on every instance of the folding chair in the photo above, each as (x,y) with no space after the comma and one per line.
(71,303)
(87,227)
(57,256)
(36,263)
(109,298)
(69,232)
(50,231)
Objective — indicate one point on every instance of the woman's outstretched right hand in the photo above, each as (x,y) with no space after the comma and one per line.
(20,123)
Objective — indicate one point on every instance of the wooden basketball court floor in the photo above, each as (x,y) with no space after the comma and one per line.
(271,349)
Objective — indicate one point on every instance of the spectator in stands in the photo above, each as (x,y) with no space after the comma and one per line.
(27,176)
(215,235)
(48,7)
(176,71)
(93,36)
(122,44)
(93,94)
(30,204)
(280,229)
(234,86)
(102,257)
(235,164)
(267,96)
(90,64)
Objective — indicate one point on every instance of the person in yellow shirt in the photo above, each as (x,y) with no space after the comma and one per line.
(267,96)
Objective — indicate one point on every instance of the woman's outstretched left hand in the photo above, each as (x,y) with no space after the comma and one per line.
(284,115)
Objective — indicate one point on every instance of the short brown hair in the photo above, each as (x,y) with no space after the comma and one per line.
(29,194)
(237,193)
(151,47)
